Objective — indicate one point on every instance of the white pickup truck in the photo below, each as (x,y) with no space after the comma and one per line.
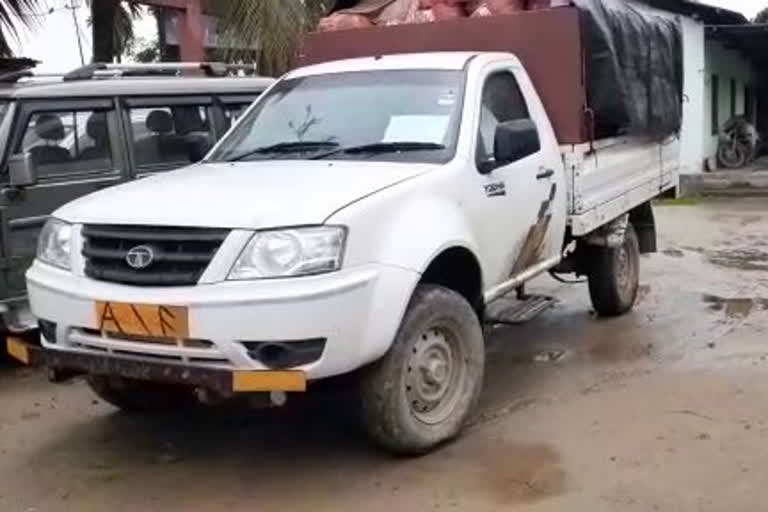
(363,216)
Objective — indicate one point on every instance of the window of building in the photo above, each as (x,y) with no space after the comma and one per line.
(749,104)
(715,104)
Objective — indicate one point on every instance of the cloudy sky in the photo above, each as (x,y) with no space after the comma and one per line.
(748,7)
(54,43)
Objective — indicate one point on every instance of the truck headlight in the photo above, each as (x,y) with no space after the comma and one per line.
(290,252)
(54,244)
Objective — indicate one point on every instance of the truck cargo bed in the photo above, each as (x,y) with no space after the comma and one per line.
(612,176)
(547,42)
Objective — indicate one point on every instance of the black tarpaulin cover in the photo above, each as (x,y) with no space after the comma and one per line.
(634,68)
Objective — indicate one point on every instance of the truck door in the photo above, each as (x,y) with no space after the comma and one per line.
(516,210)
(75,151)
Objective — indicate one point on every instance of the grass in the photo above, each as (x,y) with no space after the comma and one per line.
(680,201)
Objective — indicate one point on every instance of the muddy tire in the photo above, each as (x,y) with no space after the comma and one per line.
(614,276)
(140,397)
(421,392)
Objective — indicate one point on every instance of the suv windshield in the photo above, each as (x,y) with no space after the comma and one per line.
(403,115)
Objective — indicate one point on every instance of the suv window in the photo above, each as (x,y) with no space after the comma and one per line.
(232,112)
(70,142)
(162,135)
(502,101)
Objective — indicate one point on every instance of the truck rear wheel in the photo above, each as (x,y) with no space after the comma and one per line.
(614,276)
(422,391)
(138,396)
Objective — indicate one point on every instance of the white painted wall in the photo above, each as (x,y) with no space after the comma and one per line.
(694,94)
(727,65)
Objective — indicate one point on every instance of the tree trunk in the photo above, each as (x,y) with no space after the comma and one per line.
(103,24)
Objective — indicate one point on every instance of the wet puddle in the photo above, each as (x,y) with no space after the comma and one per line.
(740,259)
(735,308)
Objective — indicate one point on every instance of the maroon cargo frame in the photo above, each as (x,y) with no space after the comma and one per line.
(548,43)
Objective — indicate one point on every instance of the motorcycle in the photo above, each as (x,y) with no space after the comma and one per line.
(738,144)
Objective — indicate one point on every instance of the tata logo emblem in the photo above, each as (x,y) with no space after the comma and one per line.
(140,257)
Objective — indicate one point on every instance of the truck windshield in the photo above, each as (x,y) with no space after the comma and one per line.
(402,115)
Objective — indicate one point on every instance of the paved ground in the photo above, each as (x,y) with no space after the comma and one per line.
(664,409)
(751,180)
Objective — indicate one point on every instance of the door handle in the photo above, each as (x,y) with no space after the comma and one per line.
(545,173)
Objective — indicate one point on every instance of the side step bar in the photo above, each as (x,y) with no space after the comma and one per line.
(514,312)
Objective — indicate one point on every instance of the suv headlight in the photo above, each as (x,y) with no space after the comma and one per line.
(53,246)
(291,252)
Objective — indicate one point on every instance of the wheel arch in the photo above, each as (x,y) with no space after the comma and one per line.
(644,222)
(457,268)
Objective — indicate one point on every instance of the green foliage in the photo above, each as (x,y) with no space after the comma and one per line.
(12,14)
(272,28)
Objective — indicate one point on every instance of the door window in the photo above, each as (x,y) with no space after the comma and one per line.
(163,136)
(70,142)
(502,101)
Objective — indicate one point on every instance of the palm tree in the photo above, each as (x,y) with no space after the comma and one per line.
(13,12)
(274,28)
(112,27)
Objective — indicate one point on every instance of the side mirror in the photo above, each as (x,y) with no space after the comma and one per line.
(21,170)
(198,147)
(515,140)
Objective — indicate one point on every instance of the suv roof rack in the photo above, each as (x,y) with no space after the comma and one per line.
(101,69)
(14,76)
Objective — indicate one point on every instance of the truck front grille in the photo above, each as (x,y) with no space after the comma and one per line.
(179,256)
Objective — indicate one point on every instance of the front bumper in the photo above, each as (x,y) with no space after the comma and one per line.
(63,364)
(357,311)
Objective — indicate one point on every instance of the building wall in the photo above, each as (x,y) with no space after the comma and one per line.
(691,143)
(728,66)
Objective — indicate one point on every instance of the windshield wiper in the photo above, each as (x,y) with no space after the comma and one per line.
(286,147)
(378,148)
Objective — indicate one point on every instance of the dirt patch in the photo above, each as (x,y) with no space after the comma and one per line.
(750,219)
(642,292)
(500,471)
(740,259)
(520,473)
(675,253)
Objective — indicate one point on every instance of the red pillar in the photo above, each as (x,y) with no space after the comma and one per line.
(192,33)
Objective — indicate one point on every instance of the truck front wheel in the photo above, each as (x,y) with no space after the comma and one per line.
(614,276)
(422,391)
(140,396)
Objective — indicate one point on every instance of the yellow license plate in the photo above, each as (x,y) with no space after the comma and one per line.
(244,381)
(142,319)
(18,349)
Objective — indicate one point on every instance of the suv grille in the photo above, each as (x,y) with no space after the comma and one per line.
(179,255)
